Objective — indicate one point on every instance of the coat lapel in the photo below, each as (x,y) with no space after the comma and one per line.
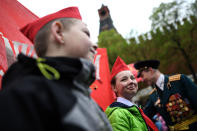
(166,92)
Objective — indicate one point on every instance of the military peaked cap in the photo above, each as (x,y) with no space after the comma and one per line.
(142,65)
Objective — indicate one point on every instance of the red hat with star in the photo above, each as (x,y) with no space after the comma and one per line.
(31,29)
(118,66)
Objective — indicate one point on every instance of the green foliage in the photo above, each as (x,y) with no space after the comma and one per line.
(114,43)
(174,44)
(194,8)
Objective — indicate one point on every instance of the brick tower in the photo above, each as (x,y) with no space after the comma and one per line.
(106,22)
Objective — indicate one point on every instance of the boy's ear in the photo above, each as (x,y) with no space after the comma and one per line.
(57,31)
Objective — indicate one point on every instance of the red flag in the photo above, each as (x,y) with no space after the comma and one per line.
(13,16)
(102,92)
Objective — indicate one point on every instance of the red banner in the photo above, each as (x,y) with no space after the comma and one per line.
(101,88)
(13,16)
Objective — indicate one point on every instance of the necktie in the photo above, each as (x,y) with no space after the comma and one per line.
(148,121)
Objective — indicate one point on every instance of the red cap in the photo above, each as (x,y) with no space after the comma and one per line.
(31,29)
(118,66)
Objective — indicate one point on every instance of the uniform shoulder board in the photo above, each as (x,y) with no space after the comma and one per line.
(175,77)
(151,92)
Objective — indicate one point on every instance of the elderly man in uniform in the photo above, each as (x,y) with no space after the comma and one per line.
(173,97)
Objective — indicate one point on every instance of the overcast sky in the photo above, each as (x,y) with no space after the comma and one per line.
(127,15)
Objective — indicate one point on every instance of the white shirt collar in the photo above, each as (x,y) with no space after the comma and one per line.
(160,82)
(124,101)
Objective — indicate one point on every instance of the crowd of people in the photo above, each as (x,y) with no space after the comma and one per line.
(52,92)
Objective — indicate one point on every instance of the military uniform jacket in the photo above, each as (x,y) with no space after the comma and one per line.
(176,102)
(50,94)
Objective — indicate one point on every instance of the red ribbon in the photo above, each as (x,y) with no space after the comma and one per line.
(148,121)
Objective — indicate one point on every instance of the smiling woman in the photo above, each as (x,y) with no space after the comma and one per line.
(124,112)
(126,85)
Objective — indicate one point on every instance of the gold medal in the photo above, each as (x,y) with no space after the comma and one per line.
(186,108)
(168,109)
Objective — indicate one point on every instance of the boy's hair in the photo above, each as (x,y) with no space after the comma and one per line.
(42,37)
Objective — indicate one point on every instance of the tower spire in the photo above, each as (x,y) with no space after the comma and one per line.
(106,22)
